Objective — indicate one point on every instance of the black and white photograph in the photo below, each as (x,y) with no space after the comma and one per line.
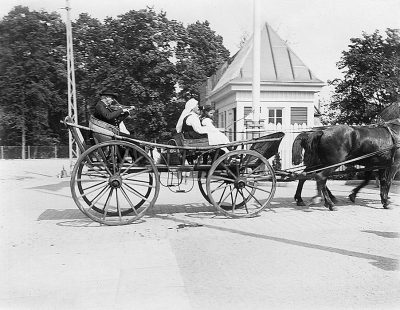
(200,155)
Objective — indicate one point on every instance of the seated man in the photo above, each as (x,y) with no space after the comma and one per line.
(108,117)
(108,109)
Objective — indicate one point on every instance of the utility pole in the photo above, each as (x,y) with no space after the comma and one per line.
(72,106)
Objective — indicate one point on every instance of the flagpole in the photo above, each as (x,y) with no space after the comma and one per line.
(256,60)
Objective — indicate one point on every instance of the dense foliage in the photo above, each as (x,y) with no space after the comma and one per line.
(371,80)
(32,76)
(140,54)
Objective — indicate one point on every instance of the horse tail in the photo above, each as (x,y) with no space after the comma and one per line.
(309,142)
(297,148)
(311,157)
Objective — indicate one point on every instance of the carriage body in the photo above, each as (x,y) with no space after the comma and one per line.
(115,181)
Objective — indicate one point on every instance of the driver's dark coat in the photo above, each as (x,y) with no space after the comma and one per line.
(105,113)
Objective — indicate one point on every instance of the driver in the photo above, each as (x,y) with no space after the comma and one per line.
(108,110)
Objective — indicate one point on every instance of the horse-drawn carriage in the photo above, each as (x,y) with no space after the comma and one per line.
(118,179)
(115,182)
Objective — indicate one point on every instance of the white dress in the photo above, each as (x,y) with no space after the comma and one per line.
(215,136)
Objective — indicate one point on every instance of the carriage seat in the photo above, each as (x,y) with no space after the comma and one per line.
(182,141)
(102,131)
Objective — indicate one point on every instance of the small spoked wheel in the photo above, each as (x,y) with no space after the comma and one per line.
(202,183)
(115,182)
(241,183)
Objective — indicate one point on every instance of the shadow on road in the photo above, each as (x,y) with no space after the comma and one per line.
(385,234)
(76,218)
(382,262)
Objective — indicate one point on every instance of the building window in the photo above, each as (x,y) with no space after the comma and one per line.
(298,115)
(222,119)
(275,116)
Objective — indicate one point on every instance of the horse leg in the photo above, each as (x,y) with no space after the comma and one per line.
(297,196)
(386,176)
(331,196)
(365,182)
(321,182)
(317,198)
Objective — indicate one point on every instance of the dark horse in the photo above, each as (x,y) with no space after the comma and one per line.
(303,141)
(376,147)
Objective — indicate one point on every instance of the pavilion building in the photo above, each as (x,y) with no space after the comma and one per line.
(287,87)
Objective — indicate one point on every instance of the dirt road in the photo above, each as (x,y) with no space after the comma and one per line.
(184,256)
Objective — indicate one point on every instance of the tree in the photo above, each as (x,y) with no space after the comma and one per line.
(131,54)
(140,54)
(91,53)
(371,78)
(31,68)
(200,57)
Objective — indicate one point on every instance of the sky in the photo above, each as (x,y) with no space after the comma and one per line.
(318,31)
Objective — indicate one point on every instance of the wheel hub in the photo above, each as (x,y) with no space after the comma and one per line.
(115,181)
(240,183)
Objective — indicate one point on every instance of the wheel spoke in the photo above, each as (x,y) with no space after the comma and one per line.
(129,200)
(258,188)
(216,178)
(125,176)
(93,202)
(245,201)
(139,184)
(97,172)
(94,185)
(118,207)
(226,196)
(91,191)
(229,171)
(234,203)
(221,186)
(135,192)
(107,205)
(100,193)
(254,197)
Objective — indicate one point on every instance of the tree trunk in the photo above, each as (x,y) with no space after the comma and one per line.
(23,138)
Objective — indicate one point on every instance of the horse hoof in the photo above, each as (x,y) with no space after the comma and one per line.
(315,200)
(300,203)
(332,208)
(387,207)
(352,197)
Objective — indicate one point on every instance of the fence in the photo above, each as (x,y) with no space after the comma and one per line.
(285,148)
(34,152)
(61,151)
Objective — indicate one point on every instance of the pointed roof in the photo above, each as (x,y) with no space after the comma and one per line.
(278,62)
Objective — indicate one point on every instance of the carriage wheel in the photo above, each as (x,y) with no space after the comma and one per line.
(202,183)
(242,179)
(114,183)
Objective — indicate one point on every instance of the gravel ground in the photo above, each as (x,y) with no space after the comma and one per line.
(185,256)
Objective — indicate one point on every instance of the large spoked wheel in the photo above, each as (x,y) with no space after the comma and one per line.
(115,182)
(242,179)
